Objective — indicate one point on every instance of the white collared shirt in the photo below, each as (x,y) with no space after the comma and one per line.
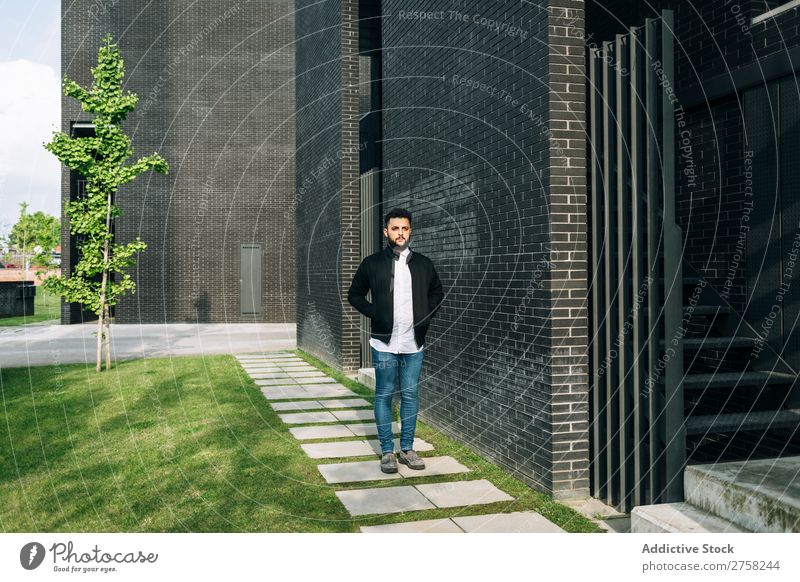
(402,340)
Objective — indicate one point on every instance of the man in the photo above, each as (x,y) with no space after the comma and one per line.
(406,293)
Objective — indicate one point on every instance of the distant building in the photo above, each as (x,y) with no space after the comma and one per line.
(216,99)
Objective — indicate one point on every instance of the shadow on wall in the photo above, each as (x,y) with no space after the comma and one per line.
(318,339)
(202,309)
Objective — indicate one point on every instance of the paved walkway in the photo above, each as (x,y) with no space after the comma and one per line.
(38,345)
(316,407)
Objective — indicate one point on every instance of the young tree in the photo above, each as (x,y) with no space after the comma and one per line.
(102,161)
(32,231)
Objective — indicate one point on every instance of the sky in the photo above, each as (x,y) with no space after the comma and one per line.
(30,107)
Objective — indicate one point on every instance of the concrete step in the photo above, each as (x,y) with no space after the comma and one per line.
(716,343)
(366,376)
(761,495)
(678,518)
(706,309)
(735,379)
(739,421)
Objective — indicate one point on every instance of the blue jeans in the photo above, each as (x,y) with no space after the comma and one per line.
(388,367)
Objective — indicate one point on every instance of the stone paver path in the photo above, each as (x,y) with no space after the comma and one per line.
(303,395)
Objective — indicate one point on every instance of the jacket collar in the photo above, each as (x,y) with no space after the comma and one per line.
(389,252)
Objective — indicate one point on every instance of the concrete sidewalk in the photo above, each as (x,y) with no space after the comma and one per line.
(39,345)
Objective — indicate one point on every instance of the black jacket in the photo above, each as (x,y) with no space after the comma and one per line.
(376,274)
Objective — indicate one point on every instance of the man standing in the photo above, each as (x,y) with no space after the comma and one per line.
(406,293)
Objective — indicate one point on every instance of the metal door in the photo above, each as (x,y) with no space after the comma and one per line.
(250,280)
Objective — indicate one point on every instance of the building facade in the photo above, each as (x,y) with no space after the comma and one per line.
(215,83)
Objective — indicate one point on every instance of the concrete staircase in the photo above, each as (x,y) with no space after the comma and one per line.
(760,495)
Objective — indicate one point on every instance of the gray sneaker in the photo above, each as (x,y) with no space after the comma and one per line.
(388,463)
(412,459)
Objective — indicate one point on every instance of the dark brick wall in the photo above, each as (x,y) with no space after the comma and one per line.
(327,178)
(216,99)
(493,170)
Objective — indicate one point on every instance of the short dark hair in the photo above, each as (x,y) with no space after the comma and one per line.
(397,213)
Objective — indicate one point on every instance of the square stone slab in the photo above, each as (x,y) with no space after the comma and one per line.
(344,403)
(367,429)
(419,445)
(273,362)
(297,391)
(295,366)
(383,500)
(434,466)
(269,375)
(357,471)
(336,431)
(423,526)
(338,450)
(296,405)
(288,375)
(462,493)
(294,381)
(292,364)
(272,358)
(331,382)
(307,417)
(323,379)
(268,366)
(518,522)
(264,355)
(289,381)
(354,414)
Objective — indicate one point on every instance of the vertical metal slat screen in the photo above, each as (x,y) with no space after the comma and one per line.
(638,447)
(369,226)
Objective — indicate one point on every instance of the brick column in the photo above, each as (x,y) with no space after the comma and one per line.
(568,256)
(350,198)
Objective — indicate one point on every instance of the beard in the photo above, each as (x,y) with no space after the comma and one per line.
(398,247)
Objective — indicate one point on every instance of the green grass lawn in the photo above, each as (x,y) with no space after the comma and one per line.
(46,307)
(181,444)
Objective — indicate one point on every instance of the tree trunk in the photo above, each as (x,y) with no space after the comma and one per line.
(99,338)
(108,337)
(103,284)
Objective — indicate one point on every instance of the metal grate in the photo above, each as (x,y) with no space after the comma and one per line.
(369,238)
(638,430)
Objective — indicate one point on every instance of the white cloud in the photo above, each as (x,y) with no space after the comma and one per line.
(30,110)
